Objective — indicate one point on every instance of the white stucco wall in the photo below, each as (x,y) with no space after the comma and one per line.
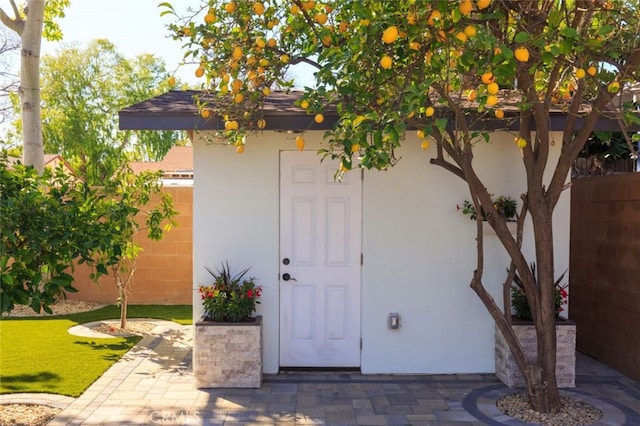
(419,252)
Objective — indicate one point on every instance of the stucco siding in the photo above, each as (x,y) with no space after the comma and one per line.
(419,252)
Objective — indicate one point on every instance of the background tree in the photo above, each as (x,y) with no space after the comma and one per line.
(82,92)
(453,70)
(8,80)
(29,24)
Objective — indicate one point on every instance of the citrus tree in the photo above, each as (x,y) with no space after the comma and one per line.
(453,71)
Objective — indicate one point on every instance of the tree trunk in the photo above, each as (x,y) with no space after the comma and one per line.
(29,90)
(122,298)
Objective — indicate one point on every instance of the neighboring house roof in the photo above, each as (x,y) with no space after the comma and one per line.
(177,164)
(50,160)
(178,110)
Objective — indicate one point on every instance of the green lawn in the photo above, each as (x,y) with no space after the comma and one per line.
(37,354)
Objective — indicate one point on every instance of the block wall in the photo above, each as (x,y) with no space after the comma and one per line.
(605,269)
(164,271)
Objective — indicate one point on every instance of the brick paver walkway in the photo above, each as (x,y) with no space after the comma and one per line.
(153,384)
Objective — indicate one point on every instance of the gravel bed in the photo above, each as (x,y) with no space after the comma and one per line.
(61,307)
(133,327)
(572,412)
(26,414)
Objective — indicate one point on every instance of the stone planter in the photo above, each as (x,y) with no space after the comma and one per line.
(228,355)
(506,368)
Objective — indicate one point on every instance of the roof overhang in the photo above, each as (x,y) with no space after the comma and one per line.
(178,110)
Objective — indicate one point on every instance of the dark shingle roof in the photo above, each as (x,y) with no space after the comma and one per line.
(178,110)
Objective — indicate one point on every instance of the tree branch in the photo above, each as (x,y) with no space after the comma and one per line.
(17,23)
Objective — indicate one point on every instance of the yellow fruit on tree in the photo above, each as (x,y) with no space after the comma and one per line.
(411,18)
(272,42)
(472,95)
(262,123)
(355,147)
(429,111)
(304,104)
(264,62)
(434,17)
(171,81)
(592,71)
(386,62)
(321,18)
(260,42)
(521,142)
(499,114)
(521,54)
(237,53)
(240,149)
(238,98)
(266,91)
(343,27)
(414,45)
(308,5)
(487,77)
(462,37)
(284,59)
(483,4)
(424,145)
(466,6)
(470,31)
(580,73)
(493,88)
(295,9)
(230,7)
(236,86)
(300,143)
(258,8)
(199,71)
(390,34)
(209,18)
(319,118)
(492,100)
(613,87)
(420,134)
(205,113)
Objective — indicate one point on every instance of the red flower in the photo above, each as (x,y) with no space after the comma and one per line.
(250,293)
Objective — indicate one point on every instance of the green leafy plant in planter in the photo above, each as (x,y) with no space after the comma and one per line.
(519,298)
(504,205)
(231,298)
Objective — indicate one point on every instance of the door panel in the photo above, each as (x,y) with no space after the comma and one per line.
(320,235)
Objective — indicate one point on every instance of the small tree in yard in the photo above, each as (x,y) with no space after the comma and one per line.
(125,213)
(452,70)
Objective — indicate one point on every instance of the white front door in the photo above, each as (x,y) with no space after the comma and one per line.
(320,229)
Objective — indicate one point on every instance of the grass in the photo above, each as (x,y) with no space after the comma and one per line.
(37,354)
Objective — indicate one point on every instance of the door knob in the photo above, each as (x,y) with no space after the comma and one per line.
(287,277)
(285,261)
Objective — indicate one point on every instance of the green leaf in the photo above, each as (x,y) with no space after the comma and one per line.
(522,37)
(441,124)
(569,32)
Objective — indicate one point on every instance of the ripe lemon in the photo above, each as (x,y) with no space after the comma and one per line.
(300,143)
(411,18)
(470,31)
(493,88)
(266,91)
(260,42)
(171,81)
(240,149)
(319,118)
(230,7)
(429,111)
(434,17)
(228,125)
(466,6)
(238,98)
(272,42)
(262,123)
(580,73)
(390,34)
(613,87)
(295,9)
(200,71)
(308,5)
(209,18)
(472,95)
(420,134)
(521,54)
(492,100)
(414,45)
(258,8)
(487,77)
(237,53)
(321,18)
(386,62)
(264,62)
(304,104)
(424,145)
(483,4)
(592,70)
(284,59)
(205,113)
(343,27)
(499,114)
(462,37)
(521,142)
(355,147)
